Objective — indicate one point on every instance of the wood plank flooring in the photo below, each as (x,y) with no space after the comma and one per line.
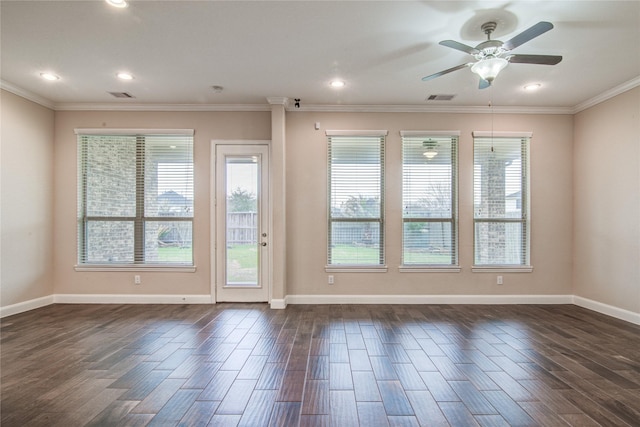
(325,365)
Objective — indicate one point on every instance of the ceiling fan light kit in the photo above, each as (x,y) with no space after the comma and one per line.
(492,56)
(489,68)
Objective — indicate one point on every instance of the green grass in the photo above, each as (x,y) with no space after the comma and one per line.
(175,254)
(245,256)
(425,258)
(343,254)
(242,263)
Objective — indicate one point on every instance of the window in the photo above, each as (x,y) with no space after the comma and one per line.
(135,198)
(501,199)
(429,198)
(356,198)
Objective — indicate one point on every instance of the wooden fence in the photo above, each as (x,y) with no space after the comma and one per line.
(242,228)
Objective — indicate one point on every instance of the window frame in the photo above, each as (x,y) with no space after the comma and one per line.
(525,216)
(332,137)
(140,217)
(454,266)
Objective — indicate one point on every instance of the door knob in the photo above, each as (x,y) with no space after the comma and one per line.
(264,243)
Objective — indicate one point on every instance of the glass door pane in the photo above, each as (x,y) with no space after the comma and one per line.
(242,251)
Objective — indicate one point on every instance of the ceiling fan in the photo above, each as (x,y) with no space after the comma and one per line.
(493,55)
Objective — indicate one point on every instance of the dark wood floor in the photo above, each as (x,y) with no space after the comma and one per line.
(327,365)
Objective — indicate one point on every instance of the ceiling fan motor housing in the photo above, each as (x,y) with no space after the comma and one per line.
(489,48)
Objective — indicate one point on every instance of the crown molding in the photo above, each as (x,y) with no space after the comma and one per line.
(160,107)
(9,87)
(471,109)
(92,106)
(617,90)
(607,95)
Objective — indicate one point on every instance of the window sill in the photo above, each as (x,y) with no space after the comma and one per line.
(429,269)
(125,267)
(356,269)
(502,268)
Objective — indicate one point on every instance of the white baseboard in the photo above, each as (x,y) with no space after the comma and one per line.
(596,306)
(131,299)
(21,307)
(609,310)
(429,299)
(278,304)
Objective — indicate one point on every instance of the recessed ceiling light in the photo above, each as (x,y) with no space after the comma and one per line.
(125,76)
(118,3)
(533,86)
(337,83)
(49,76)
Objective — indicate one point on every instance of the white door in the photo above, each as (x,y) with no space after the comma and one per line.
(242,223)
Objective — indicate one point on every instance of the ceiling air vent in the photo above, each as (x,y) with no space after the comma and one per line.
(122,94)
(440,97)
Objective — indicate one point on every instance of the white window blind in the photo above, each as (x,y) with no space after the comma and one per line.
(501,200)
(135,198)
(356,200)
(429,197)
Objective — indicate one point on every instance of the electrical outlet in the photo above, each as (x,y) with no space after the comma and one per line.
(499,281)
(330,279)
(136,279)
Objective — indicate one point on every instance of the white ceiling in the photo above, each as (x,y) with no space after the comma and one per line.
(177,50)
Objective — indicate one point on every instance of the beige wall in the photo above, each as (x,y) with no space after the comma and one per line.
(585,186)
(208,126)
(26,200)
(306,203)
(551,200)
(607,202)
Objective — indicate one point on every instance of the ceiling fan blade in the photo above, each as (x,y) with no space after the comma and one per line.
(484,84)
(459,46)
(447,71)
(539,28)
(535,59)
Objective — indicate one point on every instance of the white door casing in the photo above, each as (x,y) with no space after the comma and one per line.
(240,225)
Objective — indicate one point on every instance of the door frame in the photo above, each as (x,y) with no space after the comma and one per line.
(213,220)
